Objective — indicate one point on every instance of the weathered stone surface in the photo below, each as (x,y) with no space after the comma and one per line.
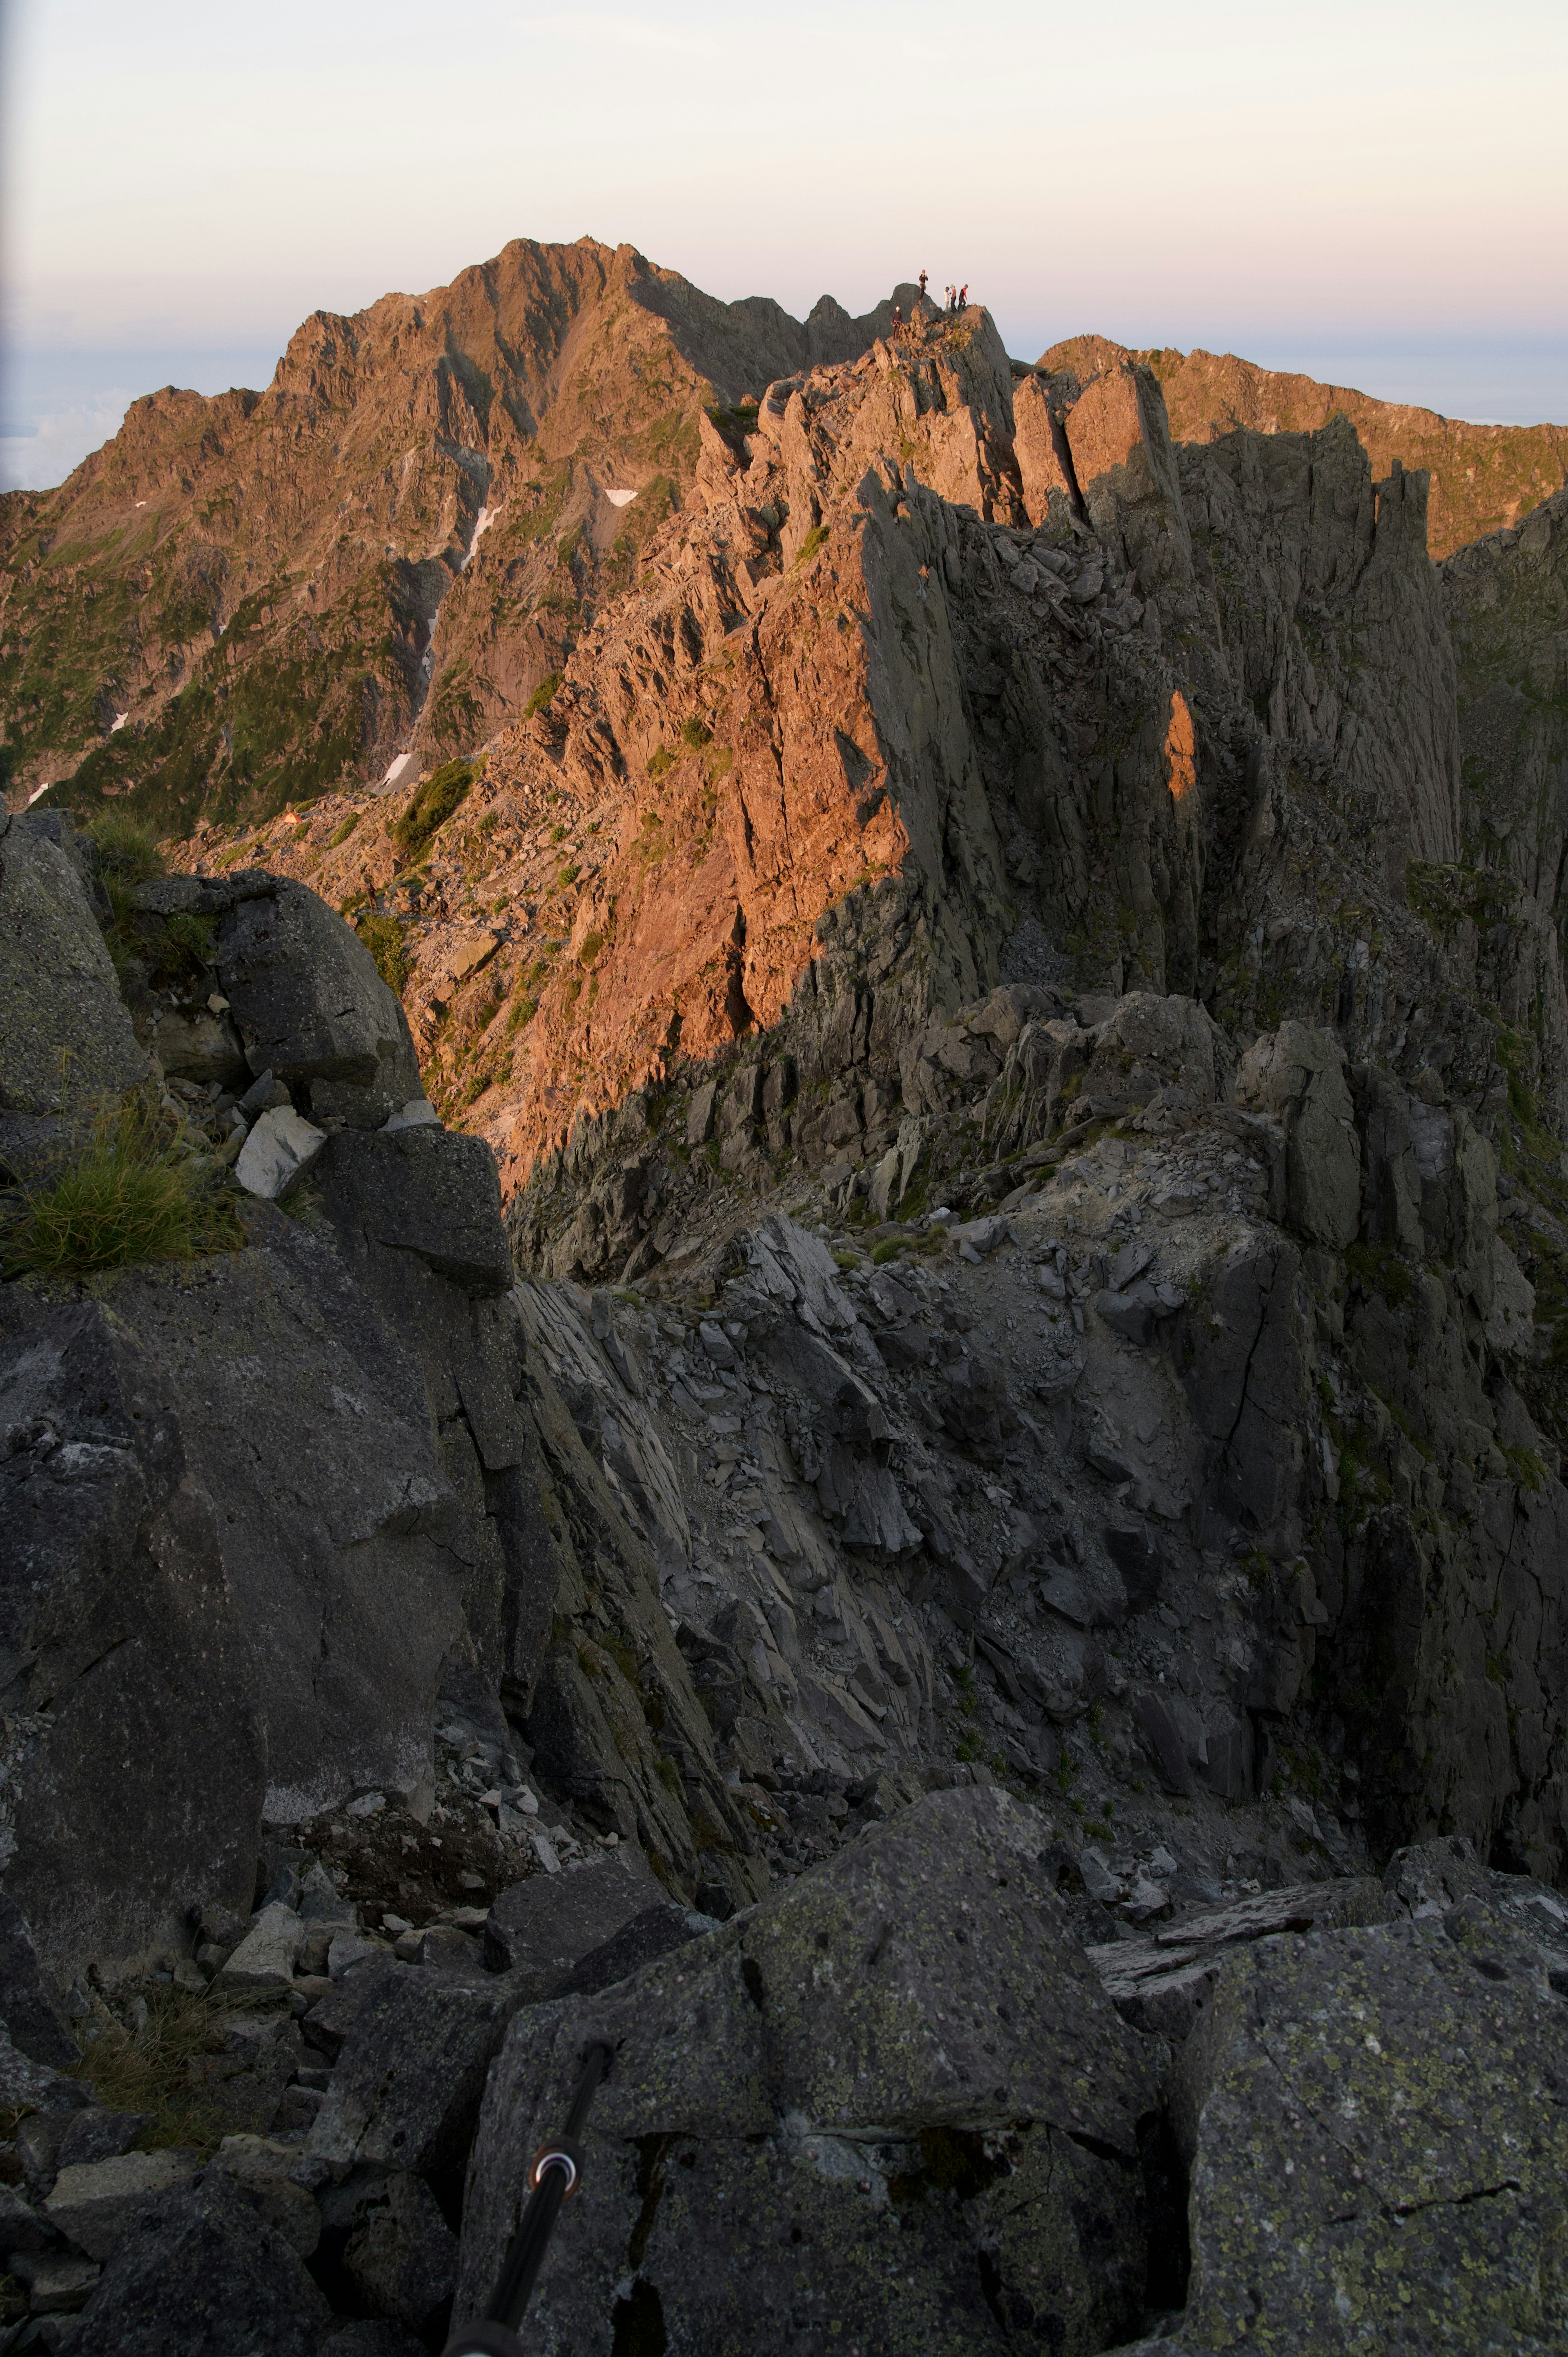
(402,2255)
(201,2274)
(1379,2143)
(1297,1074)
(801,2072)
(278,1152)
(23,2228)
(406,2086)
(31,2016)
(95,2134)
(195,1044)
(263,1962)
(301,1411)
(58,2285)
(65,1035)
(94,2205)
(310,1007)
(116,1616)
(260,2168)
(541,1930)
(422,1191)
(370,2337)
(1161,1984)
(646,1936)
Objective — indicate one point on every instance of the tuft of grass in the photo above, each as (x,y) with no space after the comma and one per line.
(127,848)
(145,2069)
(341,834)
(810,545)
(889,1250)
(693,734)
(443,791)
(543,694)
(185,944)
(382,936)
(127,1199)
(128,855)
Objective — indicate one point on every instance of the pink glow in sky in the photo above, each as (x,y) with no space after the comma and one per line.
(1275,179)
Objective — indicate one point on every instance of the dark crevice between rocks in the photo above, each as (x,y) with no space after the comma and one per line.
(1166,2196)
(637,2323)
(654,2150)
(952,2160)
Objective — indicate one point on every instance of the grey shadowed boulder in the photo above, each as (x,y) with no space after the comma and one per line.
(115,1614)
(370,2337)
(543,1928)
(425,1190)
(32,2019)
(1378,2142)
(410,2071)
(311,1007)
(64,1029)
(201,2275)
(302,1412)
(402,2255)
(825,2111)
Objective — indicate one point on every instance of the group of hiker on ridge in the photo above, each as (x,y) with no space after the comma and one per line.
(958,301)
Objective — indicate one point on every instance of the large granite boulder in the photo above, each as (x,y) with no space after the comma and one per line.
(312,1009)
(892,2101)
(1297,1074)
(136,1747)
(203,2274)
(1378,2141)
(305,1421)
(65,1033)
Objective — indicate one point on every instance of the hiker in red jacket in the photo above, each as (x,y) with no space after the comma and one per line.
(963,298)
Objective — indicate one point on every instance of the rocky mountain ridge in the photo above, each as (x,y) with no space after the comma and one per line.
(942,1517)
(1484,478)
(245,597)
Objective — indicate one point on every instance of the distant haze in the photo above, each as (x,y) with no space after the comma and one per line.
(1372,195)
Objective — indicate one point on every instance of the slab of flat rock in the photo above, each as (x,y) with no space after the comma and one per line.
(278,1152)
(1379,2143)
(1159,1984)
(262,1965)
(64,1028)
(543,1928)
(95,2203)
(410,2071)
(813,2114)
(203,2274)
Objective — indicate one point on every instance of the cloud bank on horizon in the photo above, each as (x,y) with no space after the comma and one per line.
(1340,180)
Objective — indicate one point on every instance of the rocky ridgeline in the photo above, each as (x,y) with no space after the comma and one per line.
(926,1676)
(969,1570)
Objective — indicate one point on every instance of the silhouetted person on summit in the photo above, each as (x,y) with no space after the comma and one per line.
(922,285)
(963,298)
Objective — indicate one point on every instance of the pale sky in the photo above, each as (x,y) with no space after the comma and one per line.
(1376,191)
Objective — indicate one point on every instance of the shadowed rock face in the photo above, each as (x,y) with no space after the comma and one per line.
(1482,476)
